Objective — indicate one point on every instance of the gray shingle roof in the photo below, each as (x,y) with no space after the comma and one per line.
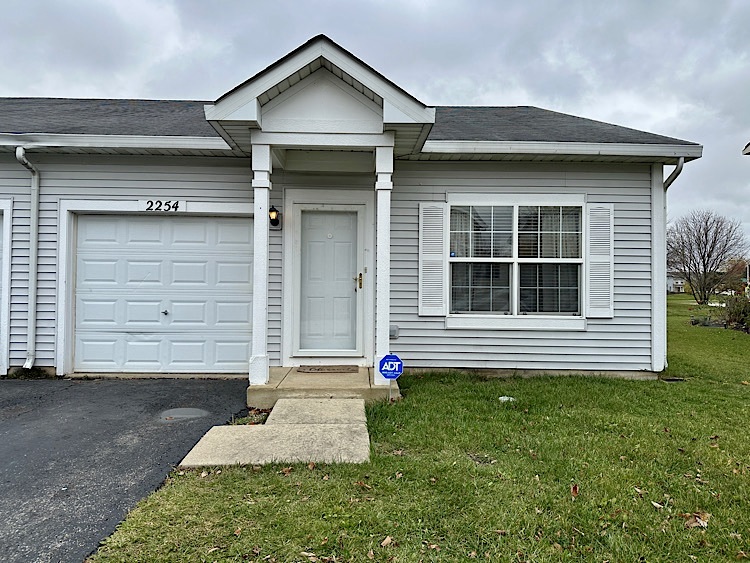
(186,118)
(104,117)
(527,123)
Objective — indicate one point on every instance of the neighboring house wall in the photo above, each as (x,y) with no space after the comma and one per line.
(96,177)
(621,343)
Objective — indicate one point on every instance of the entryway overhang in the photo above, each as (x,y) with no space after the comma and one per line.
(321,99)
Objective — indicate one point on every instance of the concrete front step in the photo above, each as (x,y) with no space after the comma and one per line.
(297,430)
(290,383)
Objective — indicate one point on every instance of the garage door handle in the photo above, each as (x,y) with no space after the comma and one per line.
(165,312)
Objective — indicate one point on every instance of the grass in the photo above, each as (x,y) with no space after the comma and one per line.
(573,469)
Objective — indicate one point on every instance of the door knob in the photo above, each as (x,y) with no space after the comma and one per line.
(165,312)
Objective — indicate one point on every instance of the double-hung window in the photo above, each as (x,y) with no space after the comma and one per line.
(515,261)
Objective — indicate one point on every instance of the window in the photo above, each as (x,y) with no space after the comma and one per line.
(500,261)
(516,259)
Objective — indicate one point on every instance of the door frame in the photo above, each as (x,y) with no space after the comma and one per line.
(295,201)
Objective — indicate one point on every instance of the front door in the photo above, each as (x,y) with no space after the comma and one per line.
(331,279)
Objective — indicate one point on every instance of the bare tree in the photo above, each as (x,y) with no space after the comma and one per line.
(702,246)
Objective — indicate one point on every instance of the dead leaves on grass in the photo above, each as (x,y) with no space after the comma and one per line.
(696,519)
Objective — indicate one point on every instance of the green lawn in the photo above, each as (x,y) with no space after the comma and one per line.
(574,469)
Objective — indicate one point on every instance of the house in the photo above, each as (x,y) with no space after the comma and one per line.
(320,214)
(675,283)
(746,150)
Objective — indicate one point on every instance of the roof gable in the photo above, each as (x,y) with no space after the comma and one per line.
(243,103)
(321,103)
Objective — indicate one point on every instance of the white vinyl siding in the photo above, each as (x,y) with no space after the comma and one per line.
(96,177)
(622,342)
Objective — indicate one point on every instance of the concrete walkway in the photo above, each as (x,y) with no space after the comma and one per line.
(297,430)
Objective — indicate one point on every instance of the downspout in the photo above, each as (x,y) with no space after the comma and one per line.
(33,257)
(676,172)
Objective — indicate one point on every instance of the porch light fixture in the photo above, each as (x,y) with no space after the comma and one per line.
(274,217)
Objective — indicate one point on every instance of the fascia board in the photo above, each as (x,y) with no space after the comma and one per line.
(248,95)
(31,140)
(534,147)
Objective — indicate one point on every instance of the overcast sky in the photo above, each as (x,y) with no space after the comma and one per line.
(676,67)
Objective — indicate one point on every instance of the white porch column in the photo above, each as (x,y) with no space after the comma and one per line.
(261,186)
(383,187)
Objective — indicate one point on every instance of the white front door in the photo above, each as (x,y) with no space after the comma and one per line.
(331,280)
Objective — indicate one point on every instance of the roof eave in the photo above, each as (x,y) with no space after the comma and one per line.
(656,152)
(52,140)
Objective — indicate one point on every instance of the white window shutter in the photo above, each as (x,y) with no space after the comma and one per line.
(600,261)
(433,253)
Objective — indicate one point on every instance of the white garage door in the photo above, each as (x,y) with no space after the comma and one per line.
(163,294)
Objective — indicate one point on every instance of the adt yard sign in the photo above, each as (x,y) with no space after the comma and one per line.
(391,366)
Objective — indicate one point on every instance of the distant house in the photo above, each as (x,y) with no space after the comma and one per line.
(675,283)
(319,214)
(746,150)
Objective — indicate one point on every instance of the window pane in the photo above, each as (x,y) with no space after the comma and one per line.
(500,300)
(460,300)
(548,300)
(550,245)
(460,274)
(528,245)
(481,218)
(527,302)
(460,244)
(480,299)
(502,245)
(569,275)
(501,275)
(480,275)
(502,219)
(528,218)
(550,219)
(571,219)
(528,275)
(571,245)
(460,219)
(569,300)
(481,245)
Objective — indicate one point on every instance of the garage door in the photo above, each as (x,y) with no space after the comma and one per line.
(163,294)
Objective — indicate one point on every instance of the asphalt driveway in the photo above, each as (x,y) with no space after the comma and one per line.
(76,456)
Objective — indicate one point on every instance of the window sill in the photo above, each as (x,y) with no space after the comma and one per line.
(493,322)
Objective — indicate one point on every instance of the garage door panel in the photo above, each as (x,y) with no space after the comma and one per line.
(163,293)
(97,271)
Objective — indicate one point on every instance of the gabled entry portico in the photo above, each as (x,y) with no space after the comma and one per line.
(321,113)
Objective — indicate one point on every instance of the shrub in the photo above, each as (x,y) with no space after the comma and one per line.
(736,310)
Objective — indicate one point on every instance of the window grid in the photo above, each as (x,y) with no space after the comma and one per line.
(566,242)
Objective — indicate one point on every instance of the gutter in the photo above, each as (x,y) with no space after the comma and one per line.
(33,257)
(676,172)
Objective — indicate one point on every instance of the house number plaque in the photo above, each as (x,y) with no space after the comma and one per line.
(162,205)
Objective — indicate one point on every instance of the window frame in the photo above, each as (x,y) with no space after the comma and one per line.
(514,319)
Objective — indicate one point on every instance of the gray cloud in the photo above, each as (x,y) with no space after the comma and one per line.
(676,68)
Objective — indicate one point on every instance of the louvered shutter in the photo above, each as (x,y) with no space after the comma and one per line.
(433,252)
(600,261)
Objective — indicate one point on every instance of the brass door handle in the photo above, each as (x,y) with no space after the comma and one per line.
(360,280)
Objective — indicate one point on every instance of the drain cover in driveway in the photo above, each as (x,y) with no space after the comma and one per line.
(176,415)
